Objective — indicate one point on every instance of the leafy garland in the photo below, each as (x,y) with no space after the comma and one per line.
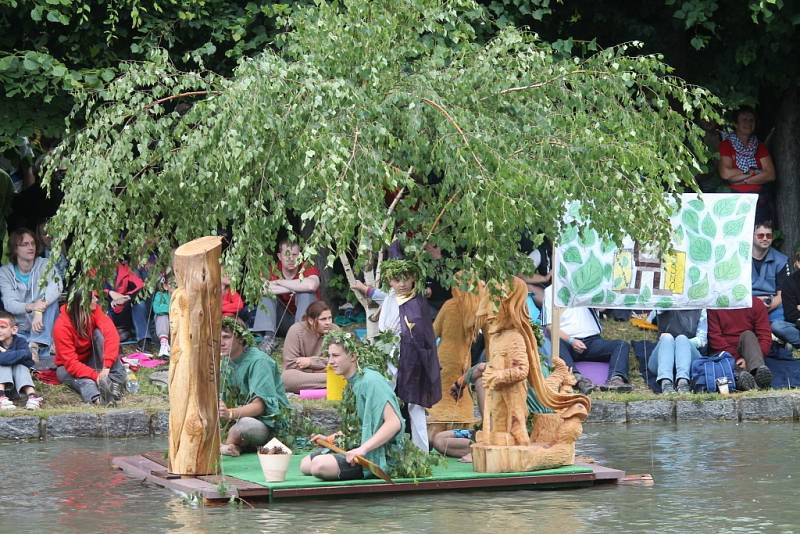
(239,330)
(408,460)
(395,269)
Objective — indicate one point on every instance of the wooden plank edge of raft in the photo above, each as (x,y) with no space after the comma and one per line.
(207,487)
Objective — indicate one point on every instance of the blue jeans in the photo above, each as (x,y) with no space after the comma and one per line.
(613,351)
(136,314)
(44,338)
(272,314)
(672,358)
(786,331)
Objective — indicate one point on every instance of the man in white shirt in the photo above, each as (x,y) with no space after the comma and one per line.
(580,340)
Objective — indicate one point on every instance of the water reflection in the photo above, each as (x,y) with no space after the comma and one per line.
(709,477)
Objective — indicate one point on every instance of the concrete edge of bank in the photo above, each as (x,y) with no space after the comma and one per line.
(123,423)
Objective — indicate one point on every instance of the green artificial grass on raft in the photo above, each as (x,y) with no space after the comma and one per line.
(246,467)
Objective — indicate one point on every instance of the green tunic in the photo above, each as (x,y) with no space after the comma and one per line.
(253,375)
(372,392)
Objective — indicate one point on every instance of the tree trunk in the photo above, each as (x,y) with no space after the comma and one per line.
(787,165)
(195,323)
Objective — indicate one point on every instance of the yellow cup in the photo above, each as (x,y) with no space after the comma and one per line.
(335,384)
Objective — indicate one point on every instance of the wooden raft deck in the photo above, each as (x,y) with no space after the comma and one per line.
(151,467)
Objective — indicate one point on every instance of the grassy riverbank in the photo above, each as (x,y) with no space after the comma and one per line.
(152,398)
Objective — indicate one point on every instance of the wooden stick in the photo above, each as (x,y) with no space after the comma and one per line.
(360,460)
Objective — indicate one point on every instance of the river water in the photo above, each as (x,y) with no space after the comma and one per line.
(708,478)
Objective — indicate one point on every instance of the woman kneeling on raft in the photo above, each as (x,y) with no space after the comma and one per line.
(377,409)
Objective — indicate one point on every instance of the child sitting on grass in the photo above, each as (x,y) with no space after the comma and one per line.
(15,363)
(161,312)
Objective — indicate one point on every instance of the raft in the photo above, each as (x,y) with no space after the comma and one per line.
(243,479)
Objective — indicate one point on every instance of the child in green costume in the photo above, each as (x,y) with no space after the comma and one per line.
(377,409)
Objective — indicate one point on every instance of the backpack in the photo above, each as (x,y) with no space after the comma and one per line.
(706,370)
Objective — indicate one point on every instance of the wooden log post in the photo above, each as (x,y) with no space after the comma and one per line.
(195,324)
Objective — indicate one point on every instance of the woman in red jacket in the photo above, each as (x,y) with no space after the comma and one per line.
(87,352)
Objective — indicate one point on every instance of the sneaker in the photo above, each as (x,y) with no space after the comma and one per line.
(267,345)
(163,352)
(116,391)
(763,377)
(6,404)
(683,386)
(584,385)
(618,384)
(106,391)
(744,381)
(34,402)
(667,388)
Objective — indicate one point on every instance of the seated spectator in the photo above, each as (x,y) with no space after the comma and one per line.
(683,334)
(789,328)
(769,270)
(253,398)
(161,301)
(293,287)
(745,334)
(232,303)
(127,310)
(34,307)
(15,363)
(87,352)
(303,362)
(378,412)
(745,162)
(580,340)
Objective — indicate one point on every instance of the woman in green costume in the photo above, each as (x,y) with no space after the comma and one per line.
(253,397)
(377,409)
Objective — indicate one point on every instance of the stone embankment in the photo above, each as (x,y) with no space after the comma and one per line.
(129,423)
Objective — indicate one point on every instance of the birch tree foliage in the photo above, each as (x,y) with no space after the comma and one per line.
(485,140)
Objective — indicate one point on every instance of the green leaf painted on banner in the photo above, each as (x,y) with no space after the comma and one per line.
(744,207)
(728,270)
(562,271)
(644,295)
(588,277)
(725,207)
(678,236)
(611,297)
(607,271)
(745,249)
(699,249)
(709,227)
(665,302)
(694,274)
(723,301)
(739,292)
(629,300)
(569,235)
(607,246)
(618,282)
(573,255)
(598,297)
(733,228)
(699,290)
(588,237)
(697,204)
(690,220)
(719,252)
(564,295)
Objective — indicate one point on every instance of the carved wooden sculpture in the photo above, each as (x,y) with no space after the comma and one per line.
(455,326)
(195,322)
(512,363)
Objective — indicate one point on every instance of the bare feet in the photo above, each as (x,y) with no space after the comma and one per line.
(228,449)
(466,459)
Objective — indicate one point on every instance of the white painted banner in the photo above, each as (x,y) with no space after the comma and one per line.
(709,266)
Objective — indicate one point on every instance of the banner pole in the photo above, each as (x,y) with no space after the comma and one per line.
(555,324)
